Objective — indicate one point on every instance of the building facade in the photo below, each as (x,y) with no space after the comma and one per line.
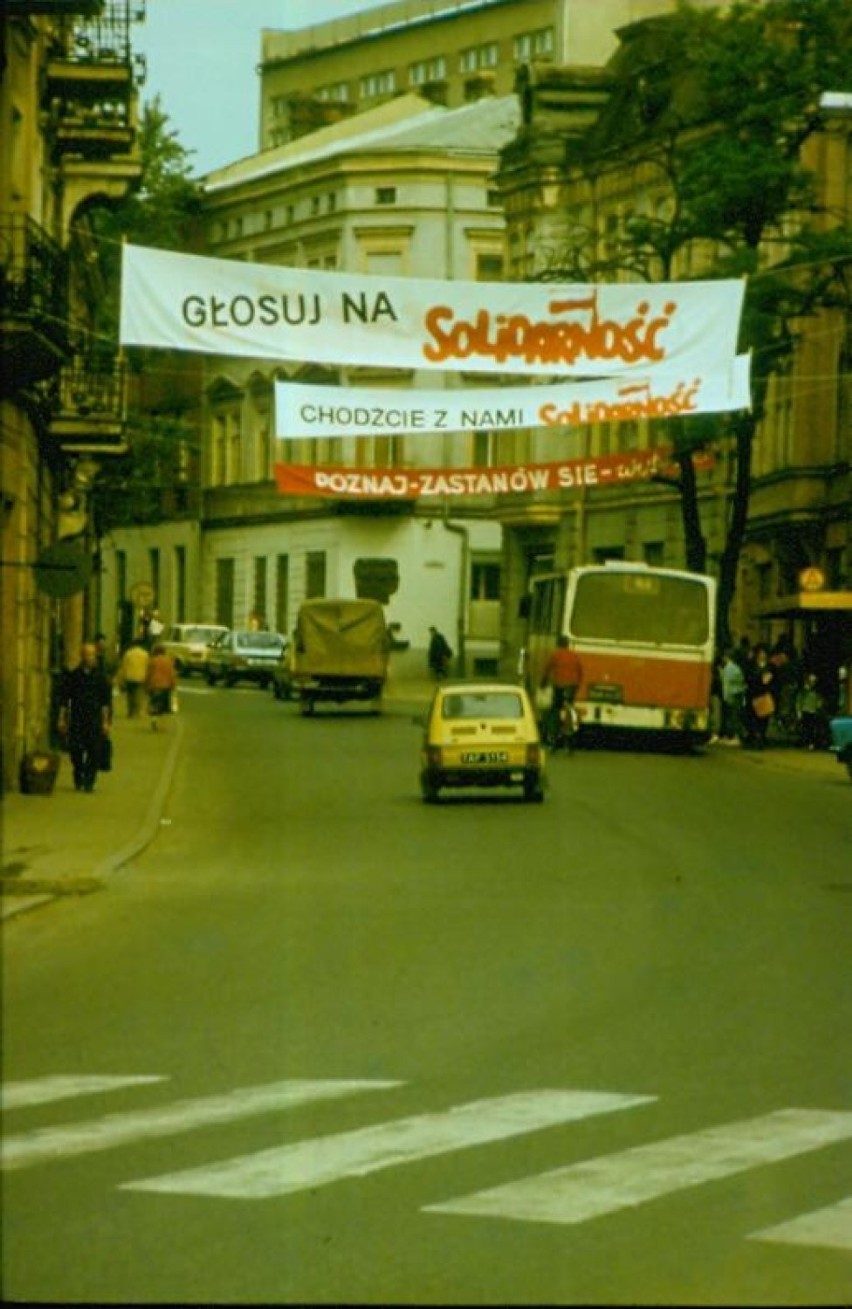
(68,117)
(449,51)
(795,572)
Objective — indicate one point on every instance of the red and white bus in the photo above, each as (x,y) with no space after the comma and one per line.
(644,637)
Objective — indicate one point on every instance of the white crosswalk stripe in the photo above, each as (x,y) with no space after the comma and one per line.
(576,1193)
(52,1143)
(309,1164)
(64,1086)
(830,1227)
(568,1195)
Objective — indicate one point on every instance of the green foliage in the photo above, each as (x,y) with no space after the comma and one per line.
(152,481)
(720,103)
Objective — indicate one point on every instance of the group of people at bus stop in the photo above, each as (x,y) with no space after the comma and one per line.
(756,687)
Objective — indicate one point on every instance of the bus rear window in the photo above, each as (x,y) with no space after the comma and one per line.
(641,607)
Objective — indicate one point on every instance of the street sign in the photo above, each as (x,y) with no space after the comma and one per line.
(62,570)
(811,579)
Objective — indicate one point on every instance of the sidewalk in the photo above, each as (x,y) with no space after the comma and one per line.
(69,842)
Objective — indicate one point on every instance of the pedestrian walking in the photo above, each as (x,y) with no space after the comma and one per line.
(160,683)
(439,654)
(85,716)
(153,627)
(132,672)
(733,698)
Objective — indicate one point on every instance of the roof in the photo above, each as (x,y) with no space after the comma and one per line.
(405,123)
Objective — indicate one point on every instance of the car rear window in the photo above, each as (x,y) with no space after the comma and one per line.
(486,704)
(259,641)
(200,633)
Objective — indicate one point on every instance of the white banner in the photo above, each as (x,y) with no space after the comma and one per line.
(224,306)
(303,410)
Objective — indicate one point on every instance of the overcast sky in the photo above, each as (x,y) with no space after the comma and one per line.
(202,56)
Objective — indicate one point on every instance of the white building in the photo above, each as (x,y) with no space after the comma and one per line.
(405,189)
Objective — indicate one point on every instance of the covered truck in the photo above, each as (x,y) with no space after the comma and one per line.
(339,652)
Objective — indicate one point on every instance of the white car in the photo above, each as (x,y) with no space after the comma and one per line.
(187,644)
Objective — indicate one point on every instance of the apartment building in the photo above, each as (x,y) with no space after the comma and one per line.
(449,51)
(68,114)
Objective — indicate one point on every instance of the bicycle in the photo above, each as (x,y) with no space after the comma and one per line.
(561,727)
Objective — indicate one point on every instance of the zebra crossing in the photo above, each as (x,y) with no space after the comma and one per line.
(568,1195)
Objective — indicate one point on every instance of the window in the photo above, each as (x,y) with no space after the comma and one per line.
(479,56)
(121,574)
(533,45)
(314,574)
(489,268)
(485,581)
(179,605)
(375,84)
(225,592)
(259,597)
(483,449)
(337,91)
(385,195)
(282,593)
(428,70)
(154,567)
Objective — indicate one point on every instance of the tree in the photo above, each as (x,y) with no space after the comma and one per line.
(717,105)
(154,479)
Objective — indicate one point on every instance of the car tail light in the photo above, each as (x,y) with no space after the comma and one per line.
(433,756)
(533,756)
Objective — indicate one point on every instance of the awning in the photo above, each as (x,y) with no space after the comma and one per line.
(803,604)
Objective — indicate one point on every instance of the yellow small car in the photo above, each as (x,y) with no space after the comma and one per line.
(481,734)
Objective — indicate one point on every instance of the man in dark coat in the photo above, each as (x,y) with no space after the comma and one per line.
(439,653)
(85,716)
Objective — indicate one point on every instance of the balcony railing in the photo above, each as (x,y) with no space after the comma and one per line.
(89,405)
(33,302)
(33,274)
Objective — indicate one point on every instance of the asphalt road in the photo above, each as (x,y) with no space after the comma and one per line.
(357,1049)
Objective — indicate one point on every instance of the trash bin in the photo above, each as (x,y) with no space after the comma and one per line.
(38,772)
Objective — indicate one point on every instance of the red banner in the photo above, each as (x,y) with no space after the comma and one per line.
(337,482)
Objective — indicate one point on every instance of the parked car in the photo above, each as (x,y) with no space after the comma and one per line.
(481,734)
(244,656)
(187,644)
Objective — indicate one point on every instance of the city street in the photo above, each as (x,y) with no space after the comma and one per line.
(322,1043)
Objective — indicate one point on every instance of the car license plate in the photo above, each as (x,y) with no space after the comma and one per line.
(485,756)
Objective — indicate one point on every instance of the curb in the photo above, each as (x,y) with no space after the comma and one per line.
(151,822)
(113,862)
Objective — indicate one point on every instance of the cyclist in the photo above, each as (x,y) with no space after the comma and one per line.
(563,673)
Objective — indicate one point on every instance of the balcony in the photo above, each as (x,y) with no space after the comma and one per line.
(89,407)
(90,86)
(33,304)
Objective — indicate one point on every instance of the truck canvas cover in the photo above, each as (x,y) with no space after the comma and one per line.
(341,638)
